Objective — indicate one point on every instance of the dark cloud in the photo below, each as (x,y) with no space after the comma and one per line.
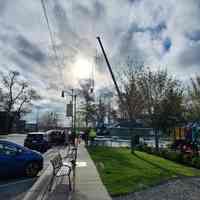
(21,63)
(134,1)
(190,57)
(122,26)
(3,5)
(69,39)
(82,10)
(155,31)
(99,10)
(195,35)
(167,43)
(29,50)
(128,47)
(61,16)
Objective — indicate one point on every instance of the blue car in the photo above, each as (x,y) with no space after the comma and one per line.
(16,160)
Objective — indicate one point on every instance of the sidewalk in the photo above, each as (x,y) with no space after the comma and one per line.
(88,183)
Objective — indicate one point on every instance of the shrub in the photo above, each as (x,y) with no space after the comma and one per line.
(148,149)
(163,153)
(169,154)
(187,159)
(196,162)
(174,156)
(157,153)
(140,147)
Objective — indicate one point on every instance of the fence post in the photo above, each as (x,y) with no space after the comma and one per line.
(132,142)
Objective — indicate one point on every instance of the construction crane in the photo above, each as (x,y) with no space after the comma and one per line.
(111,72)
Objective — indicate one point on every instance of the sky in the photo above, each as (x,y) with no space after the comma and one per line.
(155,33)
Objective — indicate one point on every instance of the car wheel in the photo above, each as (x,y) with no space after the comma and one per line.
(32,169)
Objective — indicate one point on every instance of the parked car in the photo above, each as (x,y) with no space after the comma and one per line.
(56,136)
(39,141)
(17,160)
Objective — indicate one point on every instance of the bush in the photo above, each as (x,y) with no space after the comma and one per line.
(148,149)
(169,154)
(157,153)
(163,153)
(187,159)
(174,156)
(139,147)
(196,162)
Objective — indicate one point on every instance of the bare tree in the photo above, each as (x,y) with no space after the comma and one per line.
(193,100)
(132,94)
(49,120)
(17,96)
(154,94)
(157,88)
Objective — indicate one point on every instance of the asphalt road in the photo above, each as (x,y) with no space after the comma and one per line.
(17,138)
(15,189)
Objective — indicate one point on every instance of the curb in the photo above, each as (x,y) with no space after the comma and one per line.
(40,187)
(39,190)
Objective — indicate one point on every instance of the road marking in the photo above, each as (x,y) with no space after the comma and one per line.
(17,182)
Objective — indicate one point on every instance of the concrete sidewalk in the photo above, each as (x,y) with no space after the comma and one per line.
(88,183)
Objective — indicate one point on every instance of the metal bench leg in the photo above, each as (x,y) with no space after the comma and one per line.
(51,183)
(70,185)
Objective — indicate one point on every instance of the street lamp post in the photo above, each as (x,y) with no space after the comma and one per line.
(73,113)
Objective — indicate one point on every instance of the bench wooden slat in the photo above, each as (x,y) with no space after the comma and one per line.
(60,169)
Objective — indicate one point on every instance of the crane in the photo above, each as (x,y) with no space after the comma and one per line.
(111,72)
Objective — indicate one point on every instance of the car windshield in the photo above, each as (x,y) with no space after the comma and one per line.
(35,136)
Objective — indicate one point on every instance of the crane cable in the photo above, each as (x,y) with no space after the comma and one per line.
(52,41)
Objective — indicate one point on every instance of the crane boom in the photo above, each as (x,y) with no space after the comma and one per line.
(110,70)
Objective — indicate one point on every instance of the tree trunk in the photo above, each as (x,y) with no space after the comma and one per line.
(86,121)
(156,139)
(9,121)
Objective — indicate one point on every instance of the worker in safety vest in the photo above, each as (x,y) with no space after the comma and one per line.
(92,135)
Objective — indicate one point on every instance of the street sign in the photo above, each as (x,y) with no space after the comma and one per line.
(69,110)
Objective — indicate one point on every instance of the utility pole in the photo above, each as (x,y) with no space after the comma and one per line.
(73,115)
(37,118)
(72,95)
(75,98)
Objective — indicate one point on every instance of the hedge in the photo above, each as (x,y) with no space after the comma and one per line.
(177,156)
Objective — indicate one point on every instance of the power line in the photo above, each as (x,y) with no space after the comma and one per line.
(52,41)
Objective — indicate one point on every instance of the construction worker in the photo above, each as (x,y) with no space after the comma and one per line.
(92,135)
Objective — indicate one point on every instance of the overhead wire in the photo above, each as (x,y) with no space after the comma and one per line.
(58,62)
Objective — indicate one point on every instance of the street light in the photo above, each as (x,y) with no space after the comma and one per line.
(73,110)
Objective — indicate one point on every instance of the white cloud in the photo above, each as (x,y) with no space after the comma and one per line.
(128,28)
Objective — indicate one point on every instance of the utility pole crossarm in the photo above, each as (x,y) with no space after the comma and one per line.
(110,70)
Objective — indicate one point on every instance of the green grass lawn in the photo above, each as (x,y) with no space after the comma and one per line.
(123,172)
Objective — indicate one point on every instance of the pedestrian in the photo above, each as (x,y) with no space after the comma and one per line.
(66,138)
(86,136)
(92,135)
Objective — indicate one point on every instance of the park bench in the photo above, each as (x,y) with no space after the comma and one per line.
(72,154)
(60,169)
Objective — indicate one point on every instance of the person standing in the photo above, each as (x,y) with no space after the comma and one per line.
(66,138)
(92,135)
(86,136)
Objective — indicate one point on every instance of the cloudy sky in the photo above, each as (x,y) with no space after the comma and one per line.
(157,33)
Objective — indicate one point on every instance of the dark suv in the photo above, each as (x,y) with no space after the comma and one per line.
(38,141)
(56,137)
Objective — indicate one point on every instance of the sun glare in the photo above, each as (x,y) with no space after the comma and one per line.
(82,68)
